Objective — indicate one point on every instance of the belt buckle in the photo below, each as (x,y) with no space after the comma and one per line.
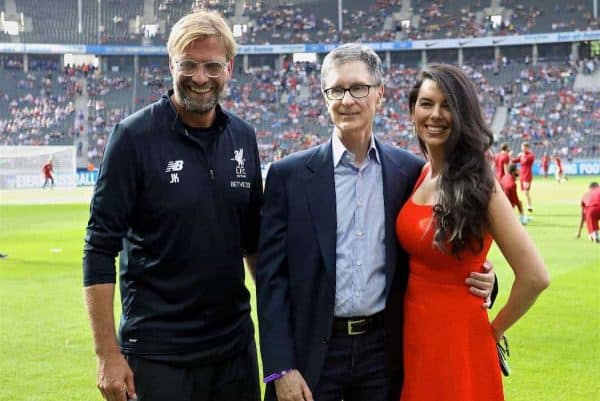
(351,330)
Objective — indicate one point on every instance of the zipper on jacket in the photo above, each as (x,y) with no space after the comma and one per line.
(206,155)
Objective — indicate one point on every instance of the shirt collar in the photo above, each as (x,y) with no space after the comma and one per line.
(339,150)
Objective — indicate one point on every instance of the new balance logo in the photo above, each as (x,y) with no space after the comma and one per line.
(172,167)
(175,165)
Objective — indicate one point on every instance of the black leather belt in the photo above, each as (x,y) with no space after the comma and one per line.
(357,325)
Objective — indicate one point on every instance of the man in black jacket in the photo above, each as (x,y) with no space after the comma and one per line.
(178,195)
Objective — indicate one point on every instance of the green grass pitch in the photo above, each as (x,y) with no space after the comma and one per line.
(46,351)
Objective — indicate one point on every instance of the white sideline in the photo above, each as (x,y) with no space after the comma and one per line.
(46,196)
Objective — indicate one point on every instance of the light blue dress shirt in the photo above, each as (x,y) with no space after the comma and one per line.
(360,248)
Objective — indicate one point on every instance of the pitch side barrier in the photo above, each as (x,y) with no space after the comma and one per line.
(576,167)
(489,41)
(21,166)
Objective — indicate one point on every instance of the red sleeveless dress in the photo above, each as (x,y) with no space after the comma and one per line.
(449,348)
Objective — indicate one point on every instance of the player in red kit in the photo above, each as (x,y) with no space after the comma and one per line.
(545,164)
(559,173)
(501,161)
(47,169)
(526,159)
(590,212)
(509,186)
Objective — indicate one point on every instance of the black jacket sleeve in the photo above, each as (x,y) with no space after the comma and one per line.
(112,202)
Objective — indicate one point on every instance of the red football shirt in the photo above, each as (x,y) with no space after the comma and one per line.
(590,205)
(558,162)
(47,169)
(509,186)
(500,160)
(591,199)
(526,160)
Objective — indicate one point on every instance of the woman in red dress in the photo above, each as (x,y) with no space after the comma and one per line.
(447,227)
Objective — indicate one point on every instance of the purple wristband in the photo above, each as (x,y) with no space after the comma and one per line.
(275,376)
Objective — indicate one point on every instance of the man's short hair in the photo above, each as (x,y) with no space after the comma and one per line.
(512,169)
(525,144)
(504,146)
(200,25)
(594,185)
(353,52)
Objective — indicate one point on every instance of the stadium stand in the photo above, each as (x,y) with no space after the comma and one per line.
(52,104)
(36,108)
(287,110)
(536,16)
(545,110)
(115,17)
(307,21)
(59,22)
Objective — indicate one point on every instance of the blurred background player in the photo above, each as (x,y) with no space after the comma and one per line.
(590,212)
(509,186)
(47,169)
(526,159)
(501,161)
(545,164)
(559,173)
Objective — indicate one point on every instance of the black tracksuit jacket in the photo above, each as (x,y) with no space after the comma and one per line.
(182,218)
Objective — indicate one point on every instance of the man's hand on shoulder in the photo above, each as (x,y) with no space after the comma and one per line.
(115,378)
(292,387)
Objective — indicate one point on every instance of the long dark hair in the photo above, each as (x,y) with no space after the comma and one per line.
(466,180)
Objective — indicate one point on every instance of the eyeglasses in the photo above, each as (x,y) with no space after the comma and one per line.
(356,91)
(188,67)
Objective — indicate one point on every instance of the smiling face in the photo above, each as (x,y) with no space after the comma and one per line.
(196,96)
(349,115)
(432,116)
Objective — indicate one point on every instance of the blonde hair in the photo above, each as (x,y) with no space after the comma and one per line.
(200,25)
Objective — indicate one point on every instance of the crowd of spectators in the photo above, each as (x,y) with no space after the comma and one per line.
(545,110)
(287,109)
(36,108)
(317,21)
(99,85)
(286,24)
(101,119)
(436,20)
(156,80)
(556,16)
(430,20)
